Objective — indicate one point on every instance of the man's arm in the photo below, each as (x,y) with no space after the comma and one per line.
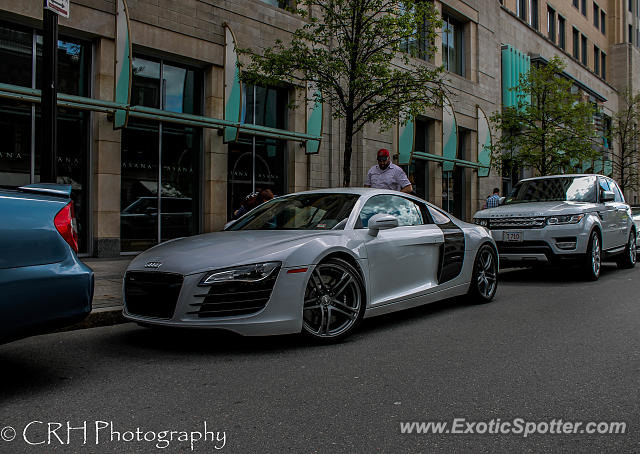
(408,189)
(403,181)
(367,183)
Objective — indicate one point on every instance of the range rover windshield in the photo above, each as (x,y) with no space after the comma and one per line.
(561,189)
(320,211)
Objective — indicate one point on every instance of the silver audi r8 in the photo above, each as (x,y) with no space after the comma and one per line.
(315,262)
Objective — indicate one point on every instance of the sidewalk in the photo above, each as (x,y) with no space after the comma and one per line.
(107,295)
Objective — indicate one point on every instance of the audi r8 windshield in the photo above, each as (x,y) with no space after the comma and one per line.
(319,211)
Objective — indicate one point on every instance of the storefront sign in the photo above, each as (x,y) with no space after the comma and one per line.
(60,7)
(406,140)
(123,64)
(449,135)
(232,85)
(314,118)
(484,143)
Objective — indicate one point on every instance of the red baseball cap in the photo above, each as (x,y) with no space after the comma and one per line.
(383,153)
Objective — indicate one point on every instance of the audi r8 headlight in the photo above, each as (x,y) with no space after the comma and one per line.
(481,222)
(568,219)
(245,273)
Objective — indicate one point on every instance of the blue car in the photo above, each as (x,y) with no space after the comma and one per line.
(43,285)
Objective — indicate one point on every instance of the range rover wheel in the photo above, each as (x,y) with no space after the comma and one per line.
(593,259)
(629,257)
(334,301)
(484,281)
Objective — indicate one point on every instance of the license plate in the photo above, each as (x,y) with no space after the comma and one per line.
(512,236)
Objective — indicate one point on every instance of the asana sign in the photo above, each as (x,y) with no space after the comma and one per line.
(60,7)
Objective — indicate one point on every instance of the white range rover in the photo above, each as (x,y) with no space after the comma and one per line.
(581,218)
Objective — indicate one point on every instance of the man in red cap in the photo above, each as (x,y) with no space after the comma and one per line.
(387,175)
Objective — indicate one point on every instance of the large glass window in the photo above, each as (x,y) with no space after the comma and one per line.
(417,45)
(20,122)
(453,45)
(257,163)
(576,43)
(454,182)
(160,161)
(418,170)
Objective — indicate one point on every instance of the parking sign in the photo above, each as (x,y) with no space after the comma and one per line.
(60,7)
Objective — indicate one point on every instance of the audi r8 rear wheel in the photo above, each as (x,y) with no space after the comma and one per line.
(484,281)
(629,257)
(333,301)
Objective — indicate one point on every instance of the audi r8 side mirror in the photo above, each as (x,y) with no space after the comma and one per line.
(607,196)
(381,221)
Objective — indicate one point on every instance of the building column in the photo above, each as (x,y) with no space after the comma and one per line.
(215,154)
(106,158)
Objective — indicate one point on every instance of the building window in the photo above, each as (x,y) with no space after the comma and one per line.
(583,9)
(576,44)
(416,46)
(159,177)
(534,14)
(551,23)
(575,3)
(603,21)
(453,45)
(279,3)
(630,34)
(521,9)
(20,122)
(454,182)
(418,170)
(596,16)
(603,65)
(584,50)
(562,32)
(257,163)
(630,2)
(596,60)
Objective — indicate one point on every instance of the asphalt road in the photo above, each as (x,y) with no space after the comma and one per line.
(549,347)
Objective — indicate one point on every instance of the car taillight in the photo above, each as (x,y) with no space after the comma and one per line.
(65,222)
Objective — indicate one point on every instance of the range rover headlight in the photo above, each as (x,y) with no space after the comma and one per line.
(246,273)
(481,222)
(567,219)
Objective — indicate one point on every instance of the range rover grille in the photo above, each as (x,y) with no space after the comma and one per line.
(536,222)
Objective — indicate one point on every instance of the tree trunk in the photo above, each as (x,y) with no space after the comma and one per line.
(348,147)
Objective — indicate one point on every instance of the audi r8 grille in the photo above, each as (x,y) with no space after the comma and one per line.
(227,299)
(151,293)
(517,223)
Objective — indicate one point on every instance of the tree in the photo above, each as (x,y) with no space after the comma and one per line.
(357,53)
(625,158)
(550,128)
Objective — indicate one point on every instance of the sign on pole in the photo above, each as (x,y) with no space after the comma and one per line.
(60,7)
(123,64)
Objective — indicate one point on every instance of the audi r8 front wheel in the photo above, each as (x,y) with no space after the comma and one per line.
(333,302)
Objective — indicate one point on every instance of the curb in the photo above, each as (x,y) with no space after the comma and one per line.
(104,316)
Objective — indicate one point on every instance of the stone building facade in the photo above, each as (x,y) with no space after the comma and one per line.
(155,180)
